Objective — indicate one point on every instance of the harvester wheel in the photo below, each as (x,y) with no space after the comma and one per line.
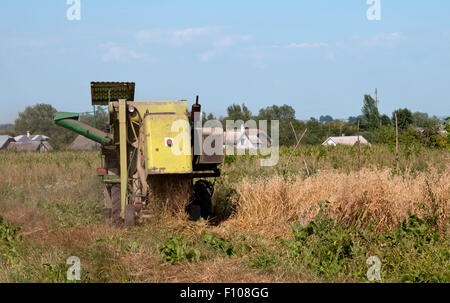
(116,206)
(203,191)
(107,207)
(130,215)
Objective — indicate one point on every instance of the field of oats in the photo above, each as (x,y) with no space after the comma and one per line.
(314,217)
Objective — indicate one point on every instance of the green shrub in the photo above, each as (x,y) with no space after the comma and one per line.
(176,250)
(221,244)
(9,240)
(262,260)
(414,252)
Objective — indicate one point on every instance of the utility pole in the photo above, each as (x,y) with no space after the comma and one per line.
(396,142)
(376,102)
(376,97)
(359,151)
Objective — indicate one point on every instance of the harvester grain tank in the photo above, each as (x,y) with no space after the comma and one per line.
(147,152)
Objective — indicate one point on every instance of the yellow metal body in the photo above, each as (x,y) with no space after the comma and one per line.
(123,154)
(167,137)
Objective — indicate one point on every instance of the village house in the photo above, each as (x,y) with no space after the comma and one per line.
(345,140)
(29,138)
(5,141)
(30,142)
(246,138)
(43,146)
(83,143)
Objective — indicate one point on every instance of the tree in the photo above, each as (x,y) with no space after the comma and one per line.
(236,112)
(285,114)
(447,128)
(325,119)
(353,119)
(316,134)
(282,113)
(38,120)
(7,129)
(420,119)
(385,120)
(211,117)
(404,118)
(101,118)
(370,113)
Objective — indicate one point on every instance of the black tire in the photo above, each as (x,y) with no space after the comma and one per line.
(130,215)
(194,212)
(107,200)
(116,209)
(203,191)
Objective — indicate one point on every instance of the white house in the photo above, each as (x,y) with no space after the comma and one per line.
(5,141)
(246,138)
(345,140)
(43,146)
(31,138)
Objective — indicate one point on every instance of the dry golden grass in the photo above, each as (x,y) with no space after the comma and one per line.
(56,200)
(269,206)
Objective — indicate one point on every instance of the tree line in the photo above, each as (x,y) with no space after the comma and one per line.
(414,128)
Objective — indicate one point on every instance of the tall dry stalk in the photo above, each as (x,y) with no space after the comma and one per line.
(380,199)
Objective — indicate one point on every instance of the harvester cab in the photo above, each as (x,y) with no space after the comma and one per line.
(149,153)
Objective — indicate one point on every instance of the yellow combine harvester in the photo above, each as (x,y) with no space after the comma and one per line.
(150,152)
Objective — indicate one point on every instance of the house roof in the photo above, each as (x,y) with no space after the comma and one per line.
(5,139)
(83,143)
(255,136)
(30,146)
(24,138)
(346,140)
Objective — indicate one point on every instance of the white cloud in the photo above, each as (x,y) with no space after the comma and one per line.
(117,53)
(303,45)
(15,42)
(208,55)
(174,37)
(214,40)
(228,41)
(384,40)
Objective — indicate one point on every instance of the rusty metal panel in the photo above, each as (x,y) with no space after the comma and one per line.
(104,92)
(213,139)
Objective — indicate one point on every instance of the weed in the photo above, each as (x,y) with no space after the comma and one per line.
(9,240)
(176,250)
(220,244)
(262,260)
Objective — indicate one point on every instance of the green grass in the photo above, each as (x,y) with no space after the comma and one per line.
(50,207)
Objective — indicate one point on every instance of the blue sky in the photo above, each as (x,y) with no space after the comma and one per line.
(318,56)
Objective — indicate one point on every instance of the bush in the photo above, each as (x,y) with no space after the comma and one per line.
(176,250)
(221,244)
(9,239)
(335,251)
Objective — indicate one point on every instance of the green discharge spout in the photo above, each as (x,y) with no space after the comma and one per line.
(70,121)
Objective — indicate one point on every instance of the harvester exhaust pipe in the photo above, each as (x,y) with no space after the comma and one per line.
(196,108)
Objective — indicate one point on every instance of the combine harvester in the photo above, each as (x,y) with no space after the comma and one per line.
(147,152)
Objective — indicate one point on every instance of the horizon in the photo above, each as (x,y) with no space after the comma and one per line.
(319,57)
